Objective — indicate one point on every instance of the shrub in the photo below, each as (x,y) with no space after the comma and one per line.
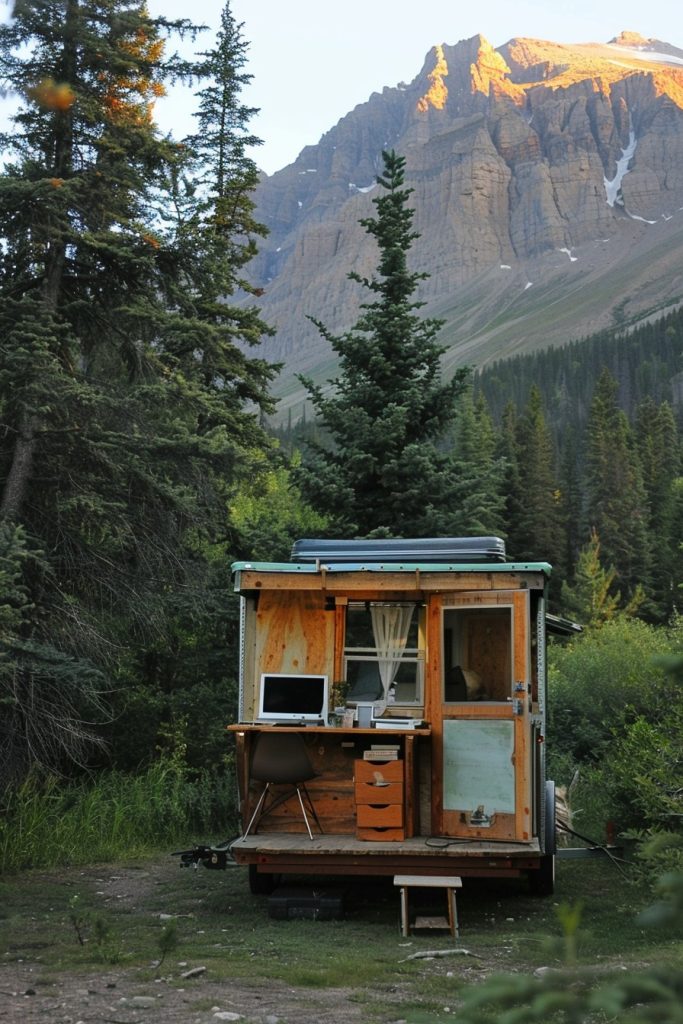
(604,680)
(614,713)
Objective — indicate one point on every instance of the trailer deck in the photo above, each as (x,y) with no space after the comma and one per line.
(294,853)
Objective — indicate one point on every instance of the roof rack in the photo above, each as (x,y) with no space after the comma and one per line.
(423,550)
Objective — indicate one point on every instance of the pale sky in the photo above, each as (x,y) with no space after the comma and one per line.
(314,60)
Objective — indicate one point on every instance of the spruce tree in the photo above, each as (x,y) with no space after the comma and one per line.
(570,481)
(128,406)
(222,140)
(387,411)
(539,528)
(478,471)
(507,450)
(616,503)
(659,451)
(591,598)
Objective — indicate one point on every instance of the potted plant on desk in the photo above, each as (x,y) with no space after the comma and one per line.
(340,689)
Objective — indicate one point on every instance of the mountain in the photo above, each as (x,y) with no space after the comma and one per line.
(548,195)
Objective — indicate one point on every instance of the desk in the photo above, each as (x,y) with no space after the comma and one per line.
(334,751)
(337,730)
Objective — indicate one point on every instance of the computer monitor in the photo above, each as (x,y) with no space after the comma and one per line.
(293,698)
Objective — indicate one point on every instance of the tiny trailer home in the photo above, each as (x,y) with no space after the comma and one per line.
(413,674)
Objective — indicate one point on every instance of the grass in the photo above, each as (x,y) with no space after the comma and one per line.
(48,823)
(223,928)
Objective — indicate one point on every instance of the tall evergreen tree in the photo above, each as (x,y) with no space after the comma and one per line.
(388,408)
(222,117)
(659,451)
(676,565)
(591,597)
(507,451)
(478,470)
(225,176)
(616,503)
(570,481)
(539,528)
(123,392)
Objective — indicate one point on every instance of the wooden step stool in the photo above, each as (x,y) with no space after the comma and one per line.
(448,882)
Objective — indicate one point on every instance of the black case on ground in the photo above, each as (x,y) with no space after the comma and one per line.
(289,904)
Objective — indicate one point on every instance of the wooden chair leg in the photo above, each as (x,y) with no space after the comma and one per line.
(405,914)
(453,913)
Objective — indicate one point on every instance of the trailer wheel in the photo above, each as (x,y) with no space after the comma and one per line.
(262,883)
(542,879)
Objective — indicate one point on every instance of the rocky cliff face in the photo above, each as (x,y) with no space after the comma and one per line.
(548,190)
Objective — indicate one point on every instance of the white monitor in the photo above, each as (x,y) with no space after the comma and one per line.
(293,698)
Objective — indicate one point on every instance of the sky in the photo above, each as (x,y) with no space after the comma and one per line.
(313,61)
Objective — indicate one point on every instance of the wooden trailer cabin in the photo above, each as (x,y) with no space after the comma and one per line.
(412,673)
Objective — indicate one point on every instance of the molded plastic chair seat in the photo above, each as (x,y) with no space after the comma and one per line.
(282,759)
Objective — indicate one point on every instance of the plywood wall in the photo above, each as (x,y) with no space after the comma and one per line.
(294,634)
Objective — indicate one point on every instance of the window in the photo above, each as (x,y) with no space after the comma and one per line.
(477,654)
(383,657)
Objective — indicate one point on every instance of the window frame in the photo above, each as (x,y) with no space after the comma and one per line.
(409,656)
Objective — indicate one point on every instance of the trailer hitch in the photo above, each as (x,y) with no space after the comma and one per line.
(212,857)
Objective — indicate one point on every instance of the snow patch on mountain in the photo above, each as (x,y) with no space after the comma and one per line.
(613,187)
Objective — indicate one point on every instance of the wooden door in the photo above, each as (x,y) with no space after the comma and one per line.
(480,715)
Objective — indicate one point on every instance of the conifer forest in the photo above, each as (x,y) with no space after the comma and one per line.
(139,455)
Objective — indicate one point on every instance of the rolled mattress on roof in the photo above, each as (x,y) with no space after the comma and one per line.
(423,549)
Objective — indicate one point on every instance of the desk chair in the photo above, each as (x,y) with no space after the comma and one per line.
(282,759)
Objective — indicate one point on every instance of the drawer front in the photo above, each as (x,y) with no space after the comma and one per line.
(379,771)
(381,835)
(387,816)
(369,793)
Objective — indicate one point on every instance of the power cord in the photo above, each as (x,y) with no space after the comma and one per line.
(217,856)
(617,861)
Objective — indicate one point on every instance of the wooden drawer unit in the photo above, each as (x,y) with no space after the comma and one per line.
(379,801)
(387,793)
(381,835)
(379,771)
(379,815)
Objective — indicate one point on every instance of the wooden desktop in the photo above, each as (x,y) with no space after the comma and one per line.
(334,753)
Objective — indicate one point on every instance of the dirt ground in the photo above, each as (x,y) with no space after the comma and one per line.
(114,996)
(35,989)
(298,968)
(117,996)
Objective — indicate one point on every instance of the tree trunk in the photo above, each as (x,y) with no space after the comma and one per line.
(16,484)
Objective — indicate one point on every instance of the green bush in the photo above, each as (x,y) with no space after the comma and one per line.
(644,773)
(614,714)
(603,680)
(638,783)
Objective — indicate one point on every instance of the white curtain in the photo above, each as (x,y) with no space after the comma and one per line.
(390,625)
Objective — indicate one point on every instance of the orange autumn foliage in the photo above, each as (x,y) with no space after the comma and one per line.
(51,95)
(130,97)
